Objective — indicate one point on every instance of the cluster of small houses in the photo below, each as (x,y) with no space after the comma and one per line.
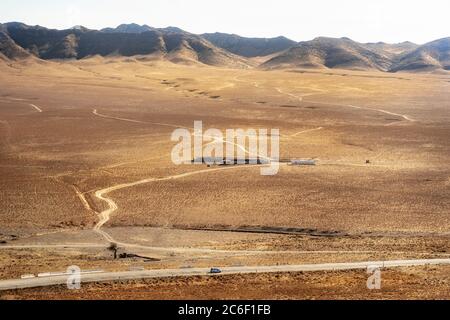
(303,162)
(210,161)
(255,161)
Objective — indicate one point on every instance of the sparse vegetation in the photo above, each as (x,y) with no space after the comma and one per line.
(113,247)
(394,207)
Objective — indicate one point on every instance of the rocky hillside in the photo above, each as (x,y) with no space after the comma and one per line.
(323,52)
(433,56)
(19,41)
(9,49)
(249,47)
(77,43)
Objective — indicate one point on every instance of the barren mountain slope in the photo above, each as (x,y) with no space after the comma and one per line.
(432,56)
(249,47)
(170,43)
(322,52)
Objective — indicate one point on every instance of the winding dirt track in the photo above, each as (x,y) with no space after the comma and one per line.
(304,131)
(300,98)
(105,215)
(95,112)
(403,116)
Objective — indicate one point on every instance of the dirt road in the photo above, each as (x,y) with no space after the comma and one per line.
(138,275)
(105,215)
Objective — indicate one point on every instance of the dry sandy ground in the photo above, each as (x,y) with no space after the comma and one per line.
(404,283)
(54,148)
(45,155)
(173,249)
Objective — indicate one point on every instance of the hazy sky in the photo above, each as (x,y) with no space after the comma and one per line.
(361,20)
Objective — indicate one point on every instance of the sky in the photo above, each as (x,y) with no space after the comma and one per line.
(361,20)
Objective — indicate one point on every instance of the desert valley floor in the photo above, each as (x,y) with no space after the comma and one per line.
(73,133)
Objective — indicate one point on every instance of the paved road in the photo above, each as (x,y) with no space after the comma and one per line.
(137,275)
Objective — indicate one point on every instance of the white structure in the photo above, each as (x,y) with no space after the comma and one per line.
(303,162)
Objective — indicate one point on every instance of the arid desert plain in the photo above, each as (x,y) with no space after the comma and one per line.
(85,161)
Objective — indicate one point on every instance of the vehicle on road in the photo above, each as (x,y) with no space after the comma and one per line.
(215,271)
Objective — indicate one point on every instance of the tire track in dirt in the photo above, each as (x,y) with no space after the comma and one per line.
(95,112)
(83,199)
(403,116)
(35,107)
(299,98)
(303,132)
(105,215)
(101,194)
(215,139)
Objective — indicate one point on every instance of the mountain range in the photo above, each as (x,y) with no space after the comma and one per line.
(21,41)
(249,47)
